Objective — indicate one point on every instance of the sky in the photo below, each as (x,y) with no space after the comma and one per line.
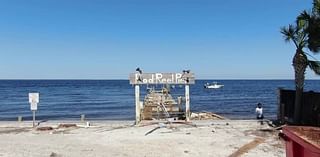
(108,39)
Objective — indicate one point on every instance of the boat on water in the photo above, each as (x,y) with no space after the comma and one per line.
(213,85)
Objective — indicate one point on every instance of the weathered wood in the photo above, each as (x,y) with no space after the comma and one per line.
(45,128)
(67,125)
(159,104)
(185,78)
(282,110)
(19,118)
(82,117)
(279,115)
(310,109)
(187,103)
(154,129)
(137,95)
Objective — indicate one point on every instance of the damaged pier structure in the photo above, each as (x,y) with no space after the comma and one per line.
(160,104)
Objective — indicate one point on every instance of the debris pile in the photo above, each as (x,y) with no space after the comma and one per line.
(205,116)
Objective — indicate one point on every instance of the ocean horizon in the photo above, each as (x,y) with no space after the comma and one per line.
(67,99)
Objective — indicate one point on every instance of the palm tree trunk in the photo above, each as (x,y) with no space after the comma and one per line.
(300,63)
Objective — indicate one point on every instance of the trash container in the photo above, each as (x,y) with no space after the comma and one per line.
(302,141)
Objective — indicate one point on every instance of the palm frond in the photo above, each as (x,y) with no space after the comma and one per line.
(314,43)
(314,34)
(294,34)
(314,66)
(304,15)
(316,8)
(289,33)
(302,20)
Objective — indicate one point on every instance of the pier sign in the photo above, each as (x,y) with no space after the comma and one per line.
(162,78)
(139,78)
(33,100)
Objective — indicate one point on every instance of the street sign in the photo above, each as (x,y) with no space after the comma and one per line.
(34,106)
(33,98)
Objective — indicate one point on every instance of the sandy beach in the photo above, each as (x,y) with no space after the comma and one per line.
(218,138)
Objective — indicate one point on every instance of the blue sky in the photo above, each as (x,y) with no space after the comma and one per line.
(108,39)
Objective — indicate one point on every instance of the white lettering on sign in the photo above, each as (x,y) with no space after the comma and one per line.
(178,77)
(159,78)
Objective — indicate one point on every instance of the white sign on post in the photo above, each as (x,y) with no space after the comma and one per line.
(33,106)
(162,78)
(33,100)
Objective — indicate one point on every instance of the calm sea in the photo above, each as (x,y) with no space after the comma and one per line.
(114,99)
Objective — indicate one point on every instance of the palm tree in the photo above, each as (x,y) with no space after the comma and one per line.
(304,34)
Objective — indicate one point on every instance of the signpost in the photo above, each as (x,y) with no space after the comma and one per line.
(34,100)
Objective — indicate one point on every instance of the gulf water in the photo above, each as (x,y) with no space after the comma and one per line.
(114,99)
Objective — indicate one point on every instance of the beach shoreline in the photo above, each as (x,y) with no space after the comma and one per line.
(149,138)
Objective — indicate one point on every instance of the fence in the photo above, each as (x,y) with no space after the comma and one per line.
(310,109)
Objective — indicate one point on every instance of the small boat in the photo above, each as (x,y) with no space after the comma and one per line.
(213,85)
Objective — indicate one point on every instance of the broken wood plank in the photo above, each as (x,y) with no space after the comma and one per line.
(149,132)
(245,148)
(67,125)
